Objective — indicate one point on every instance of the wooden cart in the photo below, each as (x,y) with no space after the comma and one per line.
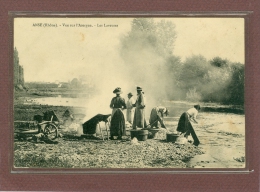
(48,128)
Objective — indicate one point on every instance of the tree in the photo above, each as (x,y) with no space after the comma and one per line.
(16,67)
(219,62)
(174,66)
(18,70)
(146,34)
(75,83)
(193,72)
(166,34)
(145,50)
(237,86)
(146,25)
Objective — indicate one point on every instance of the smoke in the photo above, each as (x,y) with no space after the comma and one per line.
(139,60)
(144,58)
(144,68)
(105,79)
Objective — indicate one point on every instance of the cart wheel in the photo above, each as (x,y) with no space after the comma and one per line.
(51,131)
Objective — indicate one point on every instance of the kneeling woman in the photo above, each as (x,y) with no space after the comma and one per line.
(117,126)
(184,125)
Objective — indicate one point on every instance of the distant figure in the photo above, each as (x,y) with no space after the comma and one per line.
(184,125)
(117,126)
(156,116)
(130,108)
(139,116)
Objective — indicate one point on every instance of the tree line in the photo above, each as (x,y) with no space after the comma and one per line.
(148,54)
(199,79)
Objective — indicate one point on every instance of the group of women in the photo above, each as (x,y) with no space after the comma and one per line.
(117,126)
(137,107)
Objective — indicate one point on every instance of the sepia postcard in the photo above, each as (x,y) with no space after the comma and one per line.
(129,92)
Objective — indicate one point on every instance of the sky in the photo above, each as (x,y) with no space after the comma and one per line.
(67,51)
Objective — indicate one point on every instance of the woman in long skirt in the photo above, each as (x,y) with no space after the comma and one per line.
(139,115)
(184,125)
(117,126)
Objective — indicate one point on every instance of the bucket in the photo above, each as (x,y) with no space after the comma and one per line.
(141,135)
(134,133)
(171,137)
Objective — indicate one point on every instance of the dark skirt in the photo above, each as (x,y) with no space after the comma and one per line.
(184,126)
(117,126)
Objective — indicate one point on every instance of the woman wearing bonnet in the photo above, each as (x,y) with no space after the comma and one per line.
(117,126)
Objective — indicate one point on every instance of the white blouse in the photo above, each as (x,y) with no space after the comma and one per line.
(193,113)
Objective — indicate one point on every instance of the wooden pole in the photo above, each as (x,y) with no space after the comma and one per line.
(109,125)
(24,121)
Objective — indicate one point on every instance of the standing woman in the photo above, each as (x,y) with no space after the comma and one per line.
(117,126)
(156,116)
(184,125)
(130,108)
(139,116)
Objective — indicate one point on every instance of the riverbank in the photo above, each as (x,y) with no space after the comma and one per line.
(222,137)
(74,151)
